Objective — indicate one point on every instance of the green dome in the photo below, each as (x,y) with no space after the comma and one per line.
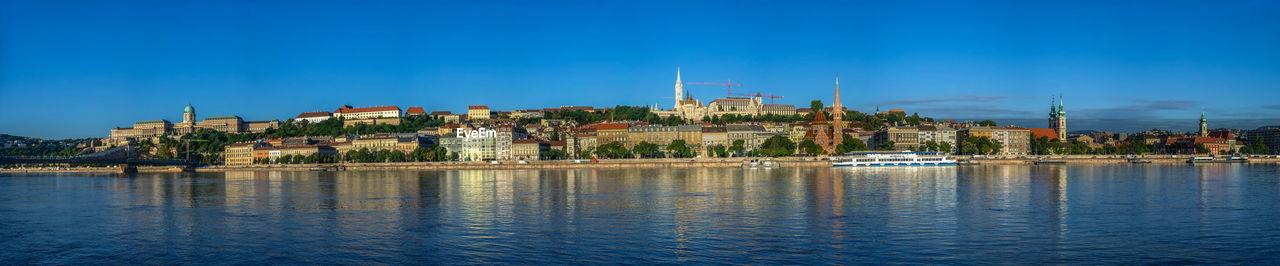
(189,109)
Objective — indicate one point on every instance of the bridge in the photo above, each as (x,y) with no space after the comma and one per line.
(123,156)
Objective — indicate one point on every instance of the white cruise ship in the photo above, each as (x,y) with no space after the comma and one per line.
(893,159)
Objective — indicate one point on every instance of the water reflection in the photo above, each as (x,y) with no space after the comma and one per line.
(1026,214)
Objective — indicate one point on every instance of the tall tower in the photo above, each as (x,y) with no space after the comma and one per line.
(1204,125)
(837,118)
(1053,113)
(1061,118)
(679,90)
(189,114)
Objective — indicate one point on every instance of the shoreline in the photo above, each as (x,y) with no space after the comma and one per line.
(618,163)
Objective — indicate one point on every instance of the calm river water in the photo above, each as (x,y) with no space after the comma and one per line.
(965,215)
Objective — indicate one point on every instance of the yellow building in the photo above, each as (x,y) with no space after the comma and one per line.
(239,153)
(664,135)
(478,112)
(348,112)
(1013,140)
(712,136)
(528,149)
(386,142)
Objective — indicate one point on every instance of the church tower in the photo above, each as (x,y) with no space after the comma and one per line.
(1058,118)
(1204,125)
(189,115)
(837,118)
(679,90)
(1053,113)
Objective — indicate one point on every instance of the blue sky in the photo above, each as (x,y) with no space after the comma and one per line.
(77,68)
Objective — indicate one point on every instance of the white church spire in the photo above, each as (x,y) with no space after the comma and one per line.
(679,90)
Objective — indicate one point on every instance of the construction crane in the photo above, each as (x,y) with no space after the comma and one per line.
(771,97)
(728,86)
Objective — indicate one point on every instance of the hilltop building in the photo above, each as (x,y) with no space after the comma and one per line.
(416,110)
(348,112)
(157,128)
(478,112)
(313,117)
(368,115)
(690,109)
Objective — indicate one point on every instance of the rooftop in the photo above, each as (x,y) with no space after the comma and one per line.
(349,109)
(314,114)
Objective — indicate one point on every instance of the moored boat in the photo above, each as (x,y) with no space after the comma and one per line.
(907,158)
(1215,159)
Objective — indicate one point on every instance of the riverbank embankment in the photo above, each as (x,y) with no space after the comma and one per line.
(618,163)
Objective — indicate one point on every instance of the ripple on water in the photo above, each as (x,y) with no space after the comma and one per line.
(961,215)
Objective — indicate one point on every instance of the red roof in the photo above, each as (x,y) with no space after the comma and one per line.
(415,111)
(611,126)
(314,114)
(525,141)
(441,113)
(476,107)
(1208,140)
(1050,133)
(556,143)
(349,109)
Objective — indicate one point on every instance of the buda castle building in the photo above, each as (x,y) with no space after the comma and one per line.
(156,128)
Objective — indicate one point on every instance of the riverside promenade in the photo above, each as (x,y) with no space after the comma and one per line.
(619,163)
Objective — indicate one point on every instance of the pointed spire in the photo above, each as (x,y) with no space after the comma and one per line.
(837,103)
(1053,109)
(677,74)
(1062,110)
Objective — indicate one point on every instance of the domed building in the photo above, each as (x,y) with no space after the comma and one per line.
(157,128)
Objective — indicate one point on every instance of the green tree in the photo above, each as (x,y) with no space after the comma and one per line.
(680,149)
(980,145)
(163,151)
(987,123)
(284,159)
(646,150)
(420,154)
(737,148)
(929,146)
(886,146)
(442,154)
(1041,146)
(849,143)
(777,146)
(718,151)
(554,154)
(360,156)
(815,106)
(612,150)
(811,148)
(945,147)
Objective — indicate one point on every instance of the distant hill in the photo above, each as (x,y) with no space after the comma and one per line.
(11,145)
